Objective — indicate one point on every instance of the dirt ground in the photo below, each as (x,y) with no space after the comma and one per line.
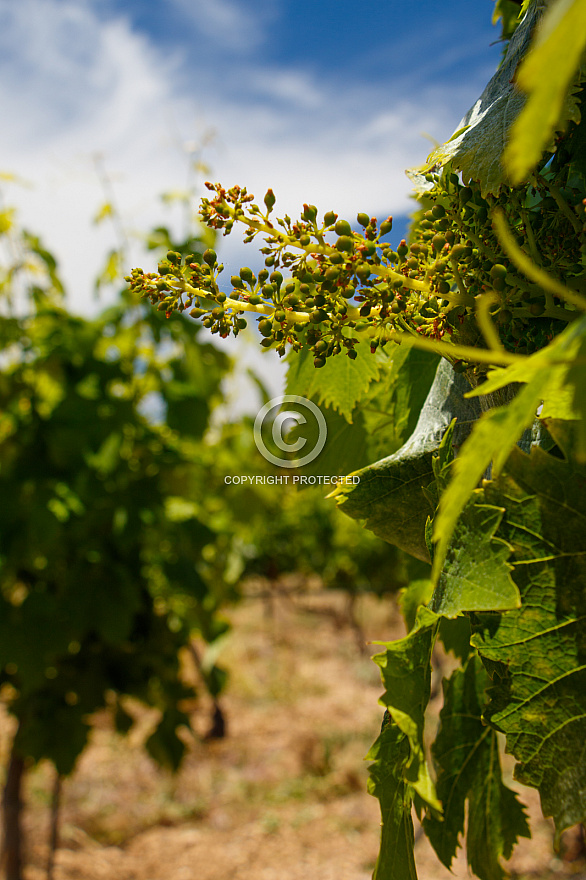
(282,797)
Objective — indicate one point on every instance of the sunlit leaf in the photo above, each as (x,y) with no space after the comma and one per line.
(406,673)
(390,754)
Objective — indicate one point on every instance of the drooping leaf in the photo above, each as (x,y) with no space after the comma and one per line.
(389,497)
(406,673)
(467,756)
(536,654)
(476,575)
(547,75)
(390,754)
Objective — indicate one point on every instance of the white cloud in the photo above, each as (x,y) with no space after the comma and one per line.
(238,26)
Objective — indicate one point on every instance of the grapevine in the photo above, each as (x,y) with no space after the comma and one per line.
(493,279)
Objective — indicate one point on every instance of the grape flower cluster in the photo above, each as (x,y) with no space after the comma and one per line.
(325,285)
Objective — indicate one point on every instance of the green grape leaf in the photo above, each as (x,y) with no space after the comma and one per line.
(389,497)
(536,654)
(467,757)
(546,74)
(406,673)
(390,754)
(340,384)
(476,575)
(477,145)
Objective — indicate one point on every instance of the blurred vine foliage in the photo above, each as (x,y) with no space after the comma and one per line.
(110,561)
(490,483)
(120,539)
(107,562)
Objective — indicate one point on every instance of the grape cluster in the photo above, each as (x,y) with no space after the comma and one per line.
(325,285)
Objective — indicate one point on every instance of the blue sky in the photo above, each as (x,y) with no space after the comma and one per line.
(326,102)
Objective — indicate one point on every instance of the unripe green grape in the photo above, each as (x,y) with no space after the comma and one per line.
(210,257)
(363,271)
(265,327)
(504,317)
(345,243)
(498,271)
(309,302)
(438,242)
(438,211)
(266,343)
(343,228)
(320,299)
(320,346)
(263,275)
(318,316)
(304,240)
(290,287)
(352,354)
(270,260)
(247,274)
(236,282)
(197,313)
(332,274)
(268,289)
(270,200)
(363,219)
(537,309)
(330,218)
(174,257)
(460,252)
(319,362)
(255,299)
(337,258)
(386,226)
(348,291)
(465,195)
(280,315)
(276,278)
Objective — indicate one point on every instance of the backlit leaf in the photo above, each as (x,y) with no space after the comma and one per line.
(547,75)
